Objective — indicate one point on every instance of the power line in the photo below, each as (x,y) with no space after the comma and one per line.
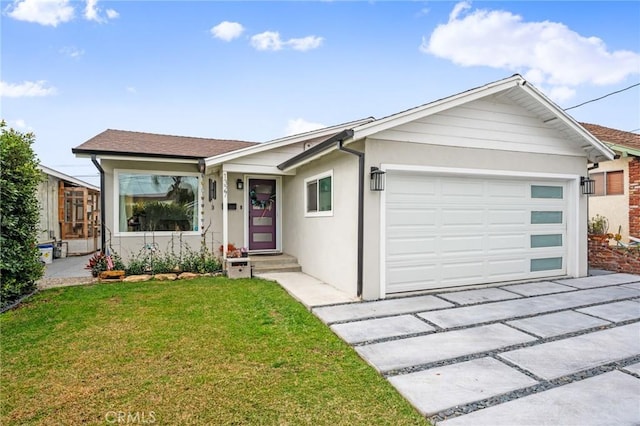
(602,97)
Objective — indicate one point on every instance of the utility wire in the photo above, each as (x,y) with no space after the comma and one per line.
(602,97)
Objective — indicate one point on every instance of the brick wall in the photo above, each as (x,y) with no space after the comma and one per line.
(611,258)
(634,197)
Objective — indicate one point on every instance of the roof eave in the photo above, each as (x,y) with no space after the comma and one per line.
(102,154)
(315,151)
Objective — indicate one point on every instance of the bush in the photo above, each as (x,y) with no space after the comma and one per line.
(20,265)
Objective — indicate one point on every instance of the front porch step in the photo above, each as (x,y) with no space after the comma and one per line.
(263,263)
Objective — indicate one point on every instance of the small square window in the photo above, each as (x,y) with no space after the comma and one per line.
(319,195)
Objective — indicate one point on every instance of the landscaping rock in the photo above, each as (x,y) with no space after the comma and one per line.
(137,278)
(165,277)
(188,276)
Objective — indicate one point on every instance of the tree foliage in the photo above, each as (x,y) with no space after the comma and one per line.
(20,265)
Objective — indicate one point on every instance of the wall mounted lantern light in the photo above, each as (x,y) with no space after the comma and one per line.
(240,184)
(212,189)
(377,179)
(588,185)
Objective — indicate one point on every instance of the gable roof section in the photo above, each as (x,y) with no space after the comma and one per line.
(71,179)
(138,144)
(516,88)
(618,140)
(313,136)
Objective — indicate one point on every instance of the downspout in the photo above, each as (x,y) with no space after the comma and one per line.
(360,213)
(102,205)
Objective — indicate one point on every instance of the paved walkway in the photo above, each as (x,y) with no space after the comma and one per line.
(66,271)
(563,352)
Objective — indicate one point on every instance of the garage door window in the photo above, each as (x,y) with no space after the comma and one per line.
(549,240)
(542,191)
(319,195)
(546,264)
(540,217)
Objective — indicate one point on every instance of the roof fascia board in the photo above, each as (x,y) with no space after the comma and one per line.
(66,177)
(624,149)
(277,143)
(146,158)
(435,107)
(570,122)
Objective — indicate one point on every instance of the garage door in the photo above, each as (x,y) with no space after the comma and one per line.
(443,231)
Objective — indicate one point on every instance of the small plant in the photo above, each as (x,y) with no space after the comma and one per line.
(232,251)
(99,262)
(598,225)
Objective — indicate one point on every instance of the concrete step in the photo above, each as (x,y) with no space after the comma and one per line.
(276,268)
(262,263)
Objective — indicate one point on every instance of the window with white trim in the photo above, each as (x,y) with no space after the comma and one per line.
(156,201)
(318,194)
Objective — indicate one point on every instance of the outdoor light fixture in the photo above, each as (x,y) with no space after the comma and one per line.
(240,184)
(588,185)
(212,189)
(202,166)
(377,179)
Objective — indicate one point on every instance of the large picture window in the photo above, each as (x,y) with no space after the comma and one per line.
(319,195)
(150,202)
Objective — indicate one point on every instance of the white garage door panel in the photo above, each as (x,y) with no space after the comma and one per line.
(443,231)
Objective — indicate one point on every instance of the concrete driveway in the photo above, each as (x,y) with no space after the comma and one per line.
(563,352)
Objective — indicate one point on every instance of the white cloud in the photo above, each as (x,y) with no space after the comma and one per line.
(26,89)
(72,51)
(131,89)
(548,53)
(43,12)
(112,14)
(300,125)
(93,13)
(227,31)
(270,40)
(306,43)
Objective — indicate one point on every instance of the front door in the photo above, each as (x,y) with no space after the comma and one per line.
(262,214)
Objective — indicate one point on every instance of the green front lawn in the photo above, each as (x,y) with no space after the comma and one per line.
(208,351)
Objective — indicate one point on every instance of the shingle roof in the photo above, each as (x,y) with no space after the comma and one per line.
(123,142)
(614,136)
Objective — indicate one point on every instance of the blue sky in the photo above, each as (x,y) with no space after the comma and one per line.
(261,70)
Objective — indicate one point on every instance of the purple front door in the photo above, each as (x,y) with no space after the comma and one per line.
(262,214)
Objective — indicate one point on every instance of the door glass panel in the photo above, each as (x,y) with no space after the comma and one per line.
(263,189)
(551,240)
(546,217)
(546,264)
(540,191)
(262,221)
(262,237)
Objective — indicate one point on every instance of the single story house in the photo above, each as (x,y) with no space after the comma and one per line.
(483,186)
(617,182)
(69,213)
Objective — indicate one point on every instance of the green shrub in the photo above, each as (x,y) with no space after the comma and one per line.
(20,265)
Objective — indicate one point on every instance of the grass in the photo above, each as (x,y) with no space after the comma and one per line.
(207,351)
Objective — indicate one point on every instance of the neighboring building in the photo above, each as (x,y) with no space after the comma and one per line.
(481,187)
(617,194)
(69,213)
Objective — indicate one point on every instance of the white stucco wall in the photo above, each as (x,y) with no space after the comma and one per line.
(326,247)
(614,207)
